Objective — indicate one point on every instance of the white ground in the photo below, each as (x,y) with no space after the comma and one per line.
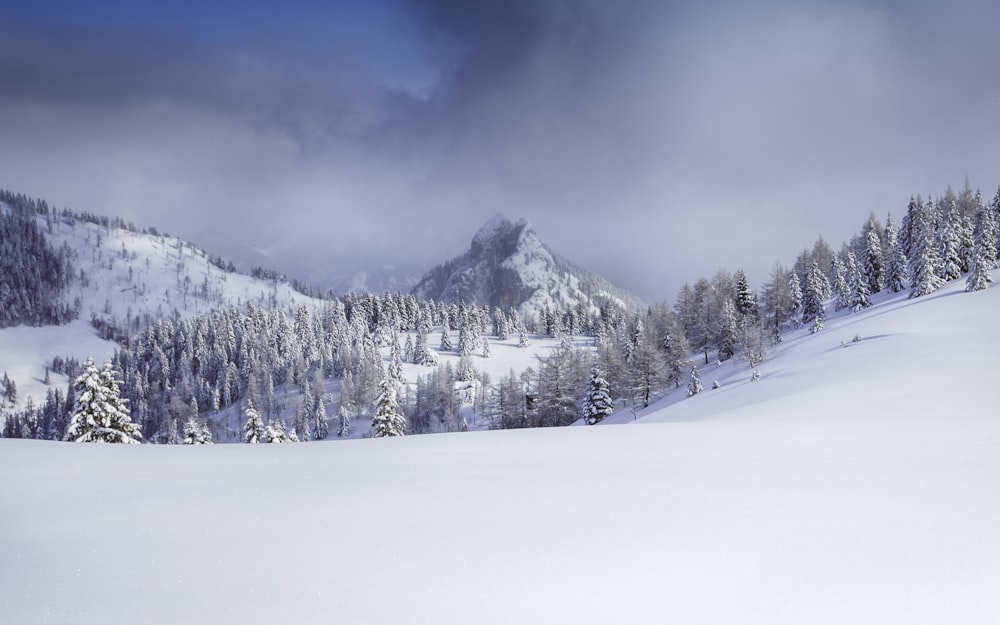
(849,485)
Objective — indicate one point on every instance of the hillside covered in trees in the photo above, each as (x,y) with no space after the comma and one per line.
(314,366)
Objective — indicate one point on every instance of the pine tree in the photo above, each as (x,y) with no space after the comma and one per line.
(895,271)
(445,337)
(274,432)
(322,426)
(253,430)
(694,385)
(100,414)
(598,403)
(813,295)
(387,420)
(794,291)
(873,271)
(746,302)
(840,284)
(344,420)
(925,262)
(950,236)
(727,331)
(196,432)
(858,284)
(984,251)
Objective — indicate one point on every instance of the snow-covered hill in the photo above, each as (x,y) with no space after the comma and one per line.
(508,266)
(129,280)
(855,482)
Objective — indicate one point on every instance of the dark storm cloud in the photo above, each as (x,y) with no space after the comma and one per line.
(652,142)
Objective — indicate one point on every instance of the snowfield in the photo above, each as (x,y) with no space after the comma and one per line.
(856,484)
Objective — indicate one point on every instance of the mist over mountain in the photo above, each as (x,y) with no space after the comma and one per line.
(508,266)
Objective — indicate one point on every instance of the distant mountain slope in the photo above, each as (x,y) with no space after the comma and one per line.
(508,266)
(134,278)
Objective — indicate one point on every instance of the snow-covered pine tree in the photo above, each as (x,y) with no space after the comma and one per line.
(746,301)
(727,331)
(598,403)
(840,285)
(694,385)
(274,432)
(100,414)
(422,355)
(320,421)
(873,270)
(813,294)
(445,337)
(895,265)
(388,421)
(196,432)
(984,251)
(858,284)
(253,430)
(794,292)
(925,262)
(344,419)
(950,244)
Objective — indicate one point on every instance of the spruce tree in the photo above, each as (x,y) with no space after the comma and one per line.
(694,385)
(873,270)
(727,331)
(951,243)
(925,262)
(598,403)
(344,419)
(253,430)
(387,420)
(840,284)
(895,269)
(196,432)
(274,432)
(100,414)
(858,283)
(445,337)
(984,251)
(813,295)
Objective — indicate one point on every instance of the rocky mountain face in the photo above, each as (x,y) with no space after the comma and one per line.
(508,266)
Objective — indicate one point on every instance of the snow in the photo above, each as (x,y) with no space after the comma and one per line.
(851,484)
(25,352)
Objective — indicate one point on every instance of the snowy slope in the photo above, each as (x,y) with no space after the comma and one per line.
(130,274)
(848,485)
(130,279)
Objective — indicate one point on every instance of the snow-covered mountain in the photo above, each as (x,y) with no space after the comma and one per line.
(508,266)
(124,280)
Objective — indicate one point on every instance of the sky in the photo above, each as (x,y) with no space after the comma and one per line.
(652,142)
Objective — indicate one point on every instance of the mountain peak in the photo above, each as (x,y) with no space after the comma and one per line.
(507,266)
(497,227)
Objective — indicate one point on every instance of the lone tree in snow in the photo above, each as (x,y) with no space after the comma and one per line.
(598,403)
(274,432)
(694,386)
(253,431)
(197,432)
(387,420)
(100,414)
